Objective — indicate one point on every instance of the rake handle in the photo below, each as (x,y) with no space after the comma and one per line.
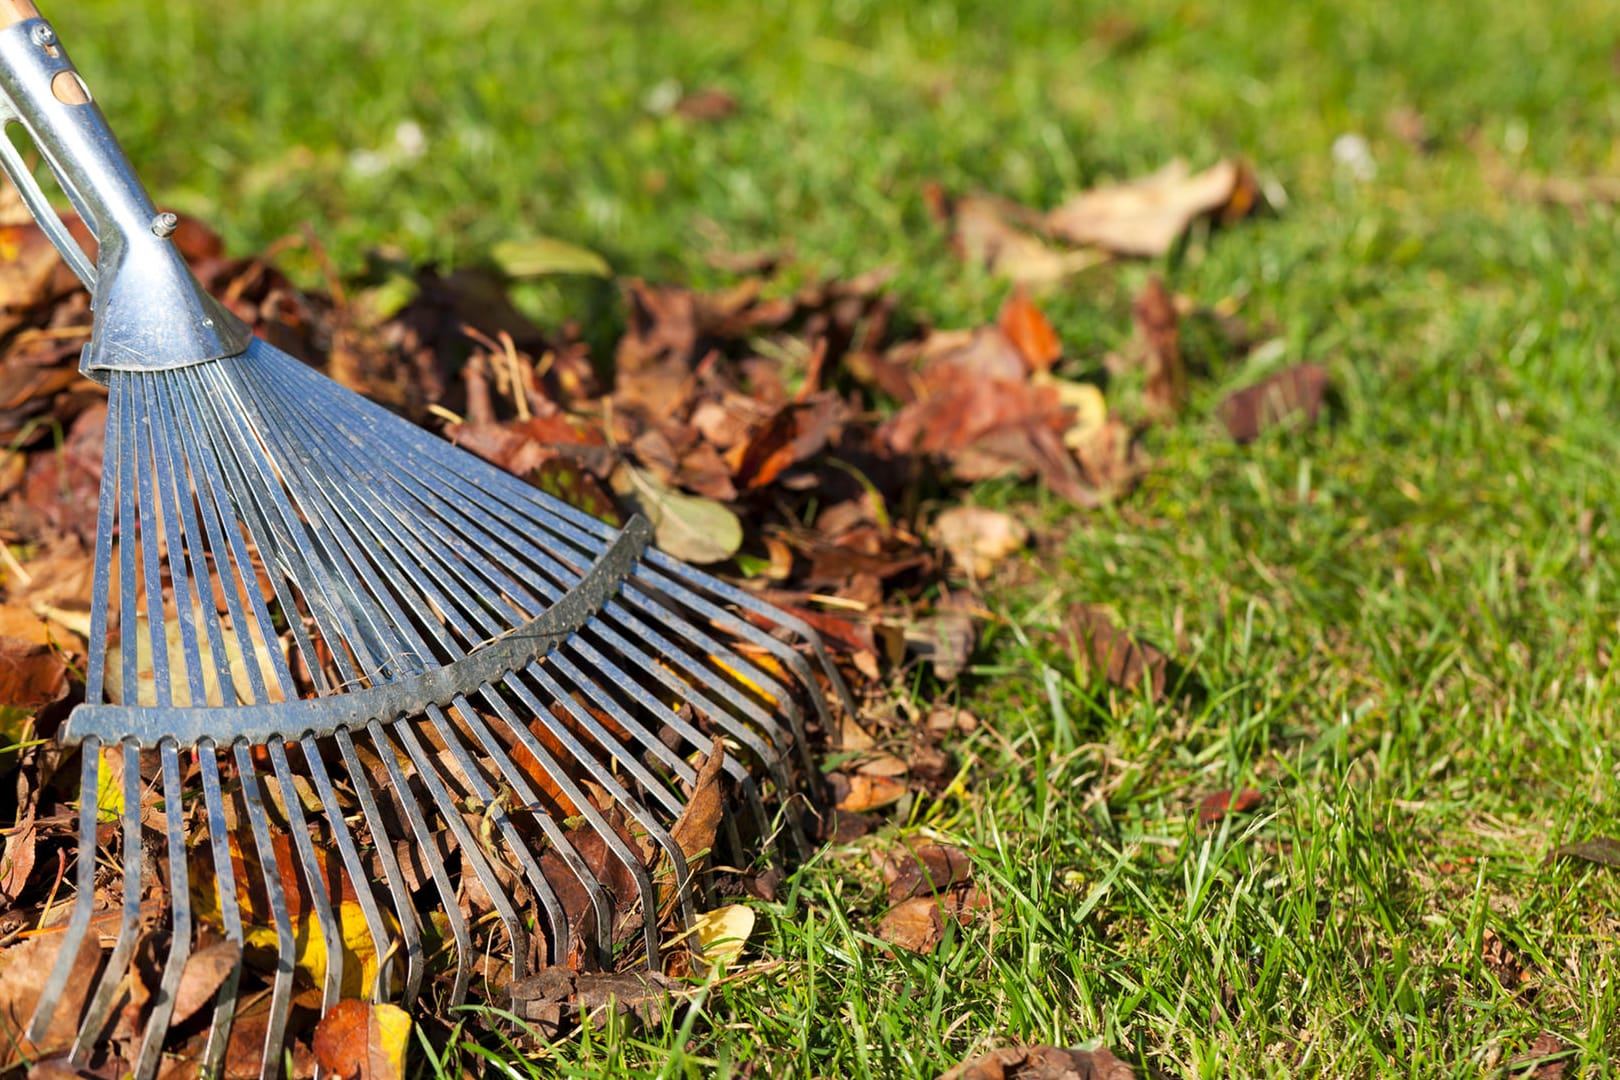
(15,11)
(151,314)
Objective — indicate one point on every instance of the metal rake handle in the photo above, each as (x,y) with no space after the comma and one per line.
(151,313)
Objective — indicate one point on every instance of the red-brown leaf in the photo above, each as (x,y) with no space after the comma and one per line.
(1213,808)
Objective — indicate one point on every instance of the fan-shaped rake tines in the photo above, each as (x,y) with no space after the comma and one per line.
(368,676)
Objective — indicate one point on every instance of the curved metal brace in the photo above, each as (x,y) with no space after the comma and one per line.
(410,696)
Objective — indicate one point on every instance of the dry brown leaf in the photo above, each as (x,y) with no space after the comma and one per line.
(1158,326)
(707,104)
(977,539)
(1603,850)
(695,829)
(883,765)
(924,870)
(946,639)
(1043,1063)
(1547,1058)
(24,967)
(984,428)
(871,792)
(17,853)
(360,1041)
(1296,391)
(983,233)
(205,970)
(1146,216)
(31,674)
(916,924)
(1115,654)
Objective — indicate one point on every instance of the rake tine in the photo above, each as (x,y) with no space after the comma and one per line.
(516,935)
(430,855)
(180,916)
(112,976)
(410,932)
(617,678)
(320,899)
(263,507)
(349,854)
(788,656)
(219,1030)
(396,530)
(586,809)
(558,839)
(84,892)
(649,663)
(481,789)
(691,688)
(609,782)
(270,875)
(316,443)
(192,567)
(230,560)
(311,501)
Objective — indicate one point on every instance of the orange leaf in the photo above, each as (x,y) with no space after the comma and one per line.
(1029,331)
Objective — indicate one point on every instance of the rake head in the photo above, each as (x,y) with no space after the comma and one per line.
(460,644)
(378,687)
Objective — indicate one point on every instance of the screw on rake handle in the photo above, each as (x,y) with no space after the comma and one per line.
(151,314)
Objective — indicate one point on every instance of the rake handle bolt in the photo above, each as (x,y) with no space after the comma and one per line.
(164,224)
(43,35)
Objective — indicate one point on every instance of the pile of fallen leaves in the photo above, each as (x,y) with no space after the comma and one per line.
(794,440)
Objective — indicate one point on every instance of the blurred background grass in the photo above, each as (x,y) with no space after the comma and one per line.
(553,118)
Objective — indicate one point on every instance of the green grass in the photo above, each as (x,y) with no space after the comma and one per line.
(1401,625)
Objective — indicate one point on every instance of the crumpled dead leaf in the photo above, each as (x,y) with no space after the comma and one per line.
(24,967)
(1000,236)
(924,870)
(1603,850)
(1043,1063)
(555,996)
(31,674)
(861,792)
(1026,327)
(1296,391)
(915,924)
(357,1040)
(1146,216)
(695,829)
(978,539)
(1114,654)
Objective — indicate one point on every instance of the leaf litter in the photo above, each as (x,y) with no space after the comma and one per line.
(801,440)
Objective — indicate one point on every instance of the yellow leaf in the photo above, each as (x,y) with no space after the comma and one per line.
(763,662)
(722,933)
(391,1029)
(110,785)
(309,948)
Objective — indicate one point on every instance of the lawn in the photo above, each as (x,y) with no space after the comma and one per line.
(1398,627)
